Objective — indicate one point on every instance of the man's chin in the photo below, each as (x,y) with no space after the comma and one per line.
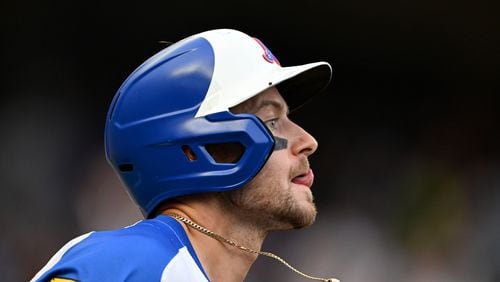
(303,218)
(305,223)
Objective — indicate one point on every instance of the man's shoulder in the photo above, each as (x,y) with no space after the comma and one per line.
(144,248)
(158,236)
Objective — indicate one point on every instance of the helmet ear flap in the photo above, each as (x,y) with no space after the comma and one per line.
(180,156)
(233,152)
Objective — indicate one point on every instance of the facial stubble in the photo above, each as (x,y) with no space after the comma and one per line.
(272,205)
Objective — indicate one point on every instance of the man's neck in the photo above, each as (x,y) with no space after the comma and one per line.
(221,261)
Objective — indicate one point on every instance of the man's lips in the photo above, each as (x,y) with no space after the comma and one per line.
(306,179)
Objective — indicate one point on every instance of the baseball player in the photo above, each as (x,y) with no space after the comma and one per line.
(201,138)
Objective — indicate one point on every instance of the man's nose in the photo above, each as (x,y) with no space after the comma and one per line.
(303,143)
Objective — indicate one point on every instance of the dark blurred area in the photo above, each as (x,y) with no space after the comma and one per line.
(408,167)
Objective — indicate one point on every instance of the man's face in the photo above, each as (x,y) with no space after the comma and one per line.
(279,197)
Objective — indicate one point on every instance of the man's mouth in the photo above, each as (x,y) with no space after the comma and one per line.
(306,179)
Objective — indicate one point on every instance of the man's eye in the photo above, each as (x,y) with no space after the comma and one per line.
(272,124)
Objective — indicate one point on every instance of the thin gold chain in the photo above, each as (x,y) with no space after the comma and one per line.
(218,237)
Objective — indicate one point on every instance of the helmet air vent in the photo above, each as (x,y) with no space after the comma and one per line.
(190,155)
(126,167)
(230,152)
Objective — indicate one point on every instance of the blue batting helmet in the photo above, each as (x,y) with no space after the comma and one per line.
(175,104)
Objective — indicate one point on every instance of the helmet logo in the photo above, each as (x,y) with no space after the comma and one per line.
(268,56)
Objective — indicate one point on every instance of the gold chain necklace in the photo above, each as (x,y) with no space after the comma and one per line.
(219,238)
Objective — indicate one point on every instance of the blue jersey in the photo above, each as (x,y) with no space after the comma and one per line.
(151,250)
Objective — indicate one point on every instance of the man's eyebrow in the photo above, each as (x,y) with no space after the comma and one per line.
(272,103)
